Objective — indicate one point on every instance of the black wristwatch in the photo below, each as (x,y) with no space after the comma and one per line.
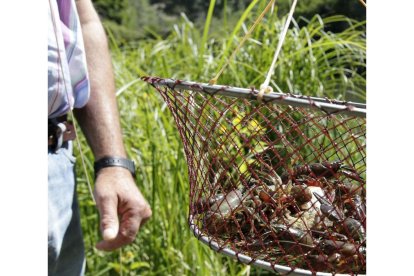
(111,161)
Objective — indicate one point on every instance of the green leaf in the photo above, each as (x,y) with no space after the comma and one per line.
(138,265)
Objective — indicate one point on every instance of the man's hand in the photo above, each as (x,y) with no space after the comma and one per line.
(122,208)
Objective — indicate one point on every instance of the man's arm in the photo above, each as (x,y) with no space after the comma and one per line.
(115,191)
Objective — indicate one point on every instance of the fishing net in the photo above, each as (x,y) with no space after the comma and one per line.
(277,182)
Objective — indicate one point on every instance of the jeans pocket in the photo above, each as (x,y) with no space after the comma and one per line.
(67,150)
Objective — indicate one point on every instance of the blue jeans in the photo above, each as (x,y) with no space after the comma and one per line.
(65,243)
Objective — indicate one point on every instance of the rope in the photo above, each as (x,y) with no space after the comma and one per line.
(246,36)
(82,156)
(363,3)
(264,87)
(70,111)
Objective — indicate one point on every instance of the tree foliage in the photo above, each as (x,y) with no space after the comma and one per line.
(196,9)
(133,19)
(114,10)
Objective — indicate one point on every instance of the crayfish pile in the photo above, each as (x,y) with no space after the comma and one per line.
(309,216)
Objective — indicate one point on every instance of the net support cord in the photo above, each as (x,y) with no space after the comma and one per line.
(264,87)
(246,36)
(244,235)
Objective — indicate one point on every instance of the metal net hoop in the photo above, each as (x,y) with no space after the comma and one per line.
(277,183)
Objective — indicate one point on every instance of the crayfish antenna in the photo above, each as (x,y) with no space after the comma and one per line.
(321,199)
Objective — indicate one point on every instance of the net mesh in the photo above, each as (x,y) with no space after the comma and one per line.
(274,182)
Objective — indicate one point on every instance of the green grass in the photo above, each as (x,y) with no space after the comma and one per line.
(313,62)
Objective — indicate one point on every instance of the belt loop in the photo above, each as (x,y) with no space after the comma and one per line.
(60,130)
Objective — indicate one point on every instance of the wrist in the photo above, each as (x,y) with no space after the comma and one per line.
(114,162)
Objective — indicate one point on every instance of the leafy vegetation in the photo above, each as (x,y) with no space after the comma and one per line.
(313,61)
(137,19)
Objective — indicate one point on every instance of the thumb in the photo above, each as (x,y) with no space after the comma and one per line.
(109,218)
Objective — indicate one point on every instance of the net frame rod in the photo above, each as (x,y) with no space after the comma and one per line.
(330,106)
(250,261)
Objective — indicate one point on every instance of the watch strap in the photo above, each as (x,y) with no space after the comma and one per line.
(112,161)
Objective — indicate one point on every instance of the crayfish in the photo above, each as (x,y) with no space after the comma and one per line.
(313,214)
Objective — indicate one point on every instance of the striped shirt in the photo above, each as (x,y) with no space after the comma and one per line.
(68,84)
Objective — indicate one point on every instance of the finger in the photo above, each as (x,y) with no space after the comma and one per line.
(130,224)
(116,243)
(109,225)
(145,214)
